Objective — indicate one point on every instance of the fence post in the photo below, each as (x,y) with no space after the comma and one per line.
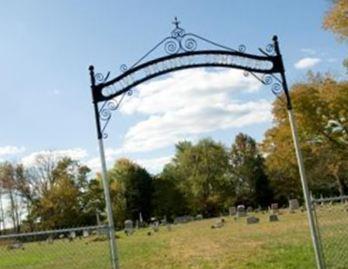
(307,198)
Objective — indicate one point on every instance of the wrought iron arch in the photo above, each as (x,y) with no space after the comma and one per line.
(181,52)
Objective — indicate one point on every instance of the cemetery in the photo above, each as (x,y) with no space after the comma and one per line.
(255,239)
(221,155)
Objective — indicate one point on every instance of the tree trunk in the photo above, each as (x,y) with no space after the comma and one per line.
(341,185)
(2,214)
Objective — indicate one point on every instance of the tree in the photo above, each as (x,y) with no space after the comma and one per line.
(200,171)
(322,117)
(133,184)
(247,170)
(336,19)
(62,204)
(168,199)
(10,176)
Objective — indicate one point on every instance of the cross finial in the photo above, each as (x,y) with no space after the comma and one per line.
(176,22)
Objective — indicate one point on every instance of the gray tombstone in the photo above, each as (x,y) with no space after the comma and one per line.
(273,218)
(249,209)
(252,220)
(241,211)
(15,245)
(219,224)
(293,204)
(128,227)
(199,217)
(232,210)
(274,208)
(164,221)
(50,239)
(155,226)
(183,219)
(85,233)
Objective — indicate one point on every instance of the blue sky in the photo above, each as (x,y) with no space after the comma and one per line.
(47,46)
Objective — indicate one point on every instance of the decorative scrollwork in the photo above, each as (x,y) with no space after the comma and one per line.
(99,77)
(123,68)
(267,79)
(108,107)
(190,44)
(242,48)
(130,92)
(172,46)
(105,114)
(178,32)
(276,89)
(270,48)
(246,73)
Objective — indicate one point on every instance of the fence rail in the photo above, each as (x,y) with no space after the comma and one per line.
(332,221)
(81,247)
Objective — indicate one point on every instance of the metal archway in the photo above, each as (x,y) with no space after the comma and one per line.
(181,53)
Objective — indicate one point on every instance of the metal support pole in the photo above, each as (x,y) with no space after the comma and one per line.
(311,221)
(113,246)
(309,205)
(111,230)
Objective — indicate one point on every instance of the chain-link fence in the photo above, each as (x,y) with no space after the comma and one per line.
(86,248)
(332,222)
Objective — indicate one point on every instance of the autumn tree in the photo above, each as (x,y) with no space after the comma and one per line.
(336,20)
(62,204)
(322,117)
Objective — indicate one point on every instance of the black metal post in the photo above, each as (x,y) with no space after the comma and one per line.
(113,246)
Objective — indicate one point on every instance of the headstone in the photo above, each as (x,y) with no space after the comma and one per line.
(241,211)
(73,235)
(50,239)
(273,218)
(249,209)
(155,226)
(128,227)
(15,245)
(252,220)
(183,219)
(85,233)
(274,208)
(293,204)
(218,224)
(199,217)
(164,221)
(232,210)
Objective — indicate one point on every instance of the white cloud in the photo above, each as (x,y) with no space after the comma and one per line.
(75,154)
(154,165)
(110,155)
(190,103)
(307,62)
(11,150)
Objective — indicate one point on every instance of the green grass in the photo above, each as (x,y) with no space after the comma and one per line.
(278,245)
